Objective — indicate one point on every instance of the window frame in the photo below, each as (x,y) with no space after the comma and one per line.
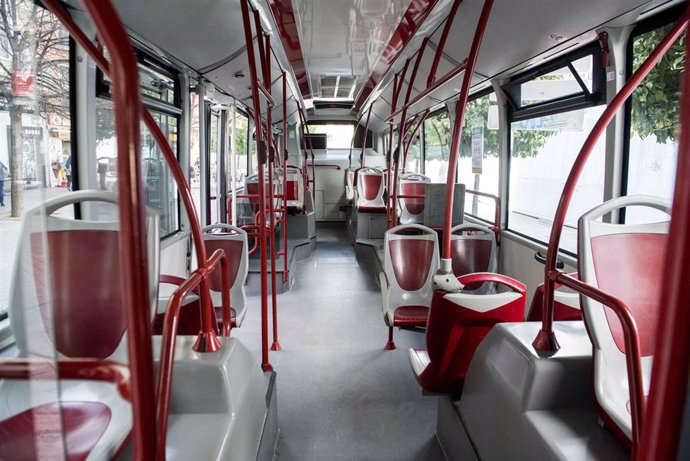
(665,18)
(568,103)
(103,91)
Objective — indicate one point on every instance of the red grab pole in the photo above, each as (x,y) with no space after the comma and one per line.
(457,131)
(546,344)
(132,235)
(661,429)
(285,152)
(256,83)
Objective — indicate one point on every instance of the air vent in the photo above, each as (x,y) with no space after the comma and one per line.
(336,87)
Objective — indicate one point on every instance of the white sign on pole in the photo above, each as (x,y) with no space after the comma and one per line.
(477,149)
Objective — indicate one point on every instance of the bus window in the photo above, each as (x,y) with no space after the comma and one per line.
(36,160)
(437,146)
(338,135)
(545,141)
(194,152)
(654,124)
(414,153)
(160,191)
(478,164)
(241,133)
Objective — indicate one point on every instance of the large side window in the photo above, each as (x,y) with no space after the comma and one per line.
(241,136)
(437,146)
(553,111)
(478,166)
(35,123)
(160,91)
(653,122)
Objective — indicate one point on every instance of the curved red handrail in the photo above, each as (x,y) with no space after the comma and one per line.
(81,369)
(169,338)
(457,126)
(663,423)
(132,235)
(496,228)
(545,343)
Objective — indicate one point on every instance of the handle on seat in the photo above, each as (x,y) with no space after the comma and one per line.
(222,226)
(471,227)
(396,229)
(481,277)
(52,205)
(541,258)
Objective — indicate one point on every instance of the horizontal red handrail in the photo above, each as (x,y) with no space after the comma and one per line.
(81,369)
(169,338)
(478,277)
(497,211)
(632,344)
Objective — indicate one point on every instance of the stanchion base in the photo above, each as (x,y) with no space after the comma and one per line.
(266,367)
(276,346)
(207,341)
(546,344)
(390,346)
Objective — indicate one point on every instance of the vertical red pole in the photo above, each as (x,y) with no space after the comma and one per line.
(285,164)
(457,131)
(364,142)
(132,237)
(668,391)
(546,343)
(265,364)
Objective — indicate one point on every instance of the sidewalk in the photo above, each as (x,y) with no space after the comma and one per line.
(9,236)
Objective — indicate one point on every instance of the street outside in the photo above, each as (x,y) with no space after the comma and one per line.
(9,236)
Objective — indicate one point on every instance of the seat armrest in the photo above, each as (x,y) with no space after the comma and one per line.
(480,277)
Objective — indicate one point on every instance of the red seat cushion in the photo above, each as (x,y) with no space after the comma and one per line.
(36,433)
(411,316)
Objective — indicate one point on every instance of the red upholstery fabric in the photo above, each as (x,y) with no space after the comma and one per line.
(411,260)
(371,184)
(413,205)
(410,316)
(37,433)
(561,312)
(453,334)
(85,302)
(189,321)
(233,253)
(292,191)
(630,267)
(470,256)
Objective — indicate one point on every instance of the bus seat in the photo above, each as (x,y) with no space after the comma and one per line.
(294,189)
(412,209)
(625,261)
(473,249)
(411,258)
(370,189)
(457,324)
(233,241)
(66,303)
(566,304)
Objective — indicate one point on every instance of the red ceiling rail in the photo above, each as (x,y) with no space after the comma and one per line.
(132,235)
(442,43)
(496,228)
(169,338)
(457,130)
(207,340)
(80,369)
(663,423)
(256,85)
(546,344)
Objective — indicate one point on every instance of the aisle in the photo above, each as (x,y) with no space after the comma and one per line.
(340,395)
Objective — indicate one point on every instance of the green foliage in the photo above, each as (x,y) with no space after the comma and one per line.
(655,102)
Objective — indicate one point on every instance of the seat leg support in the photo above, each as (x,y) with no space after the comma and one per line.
(390,345)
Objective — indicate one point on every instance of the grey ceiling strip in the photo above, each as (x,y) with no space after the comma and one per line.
(445,55)
(222,62)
